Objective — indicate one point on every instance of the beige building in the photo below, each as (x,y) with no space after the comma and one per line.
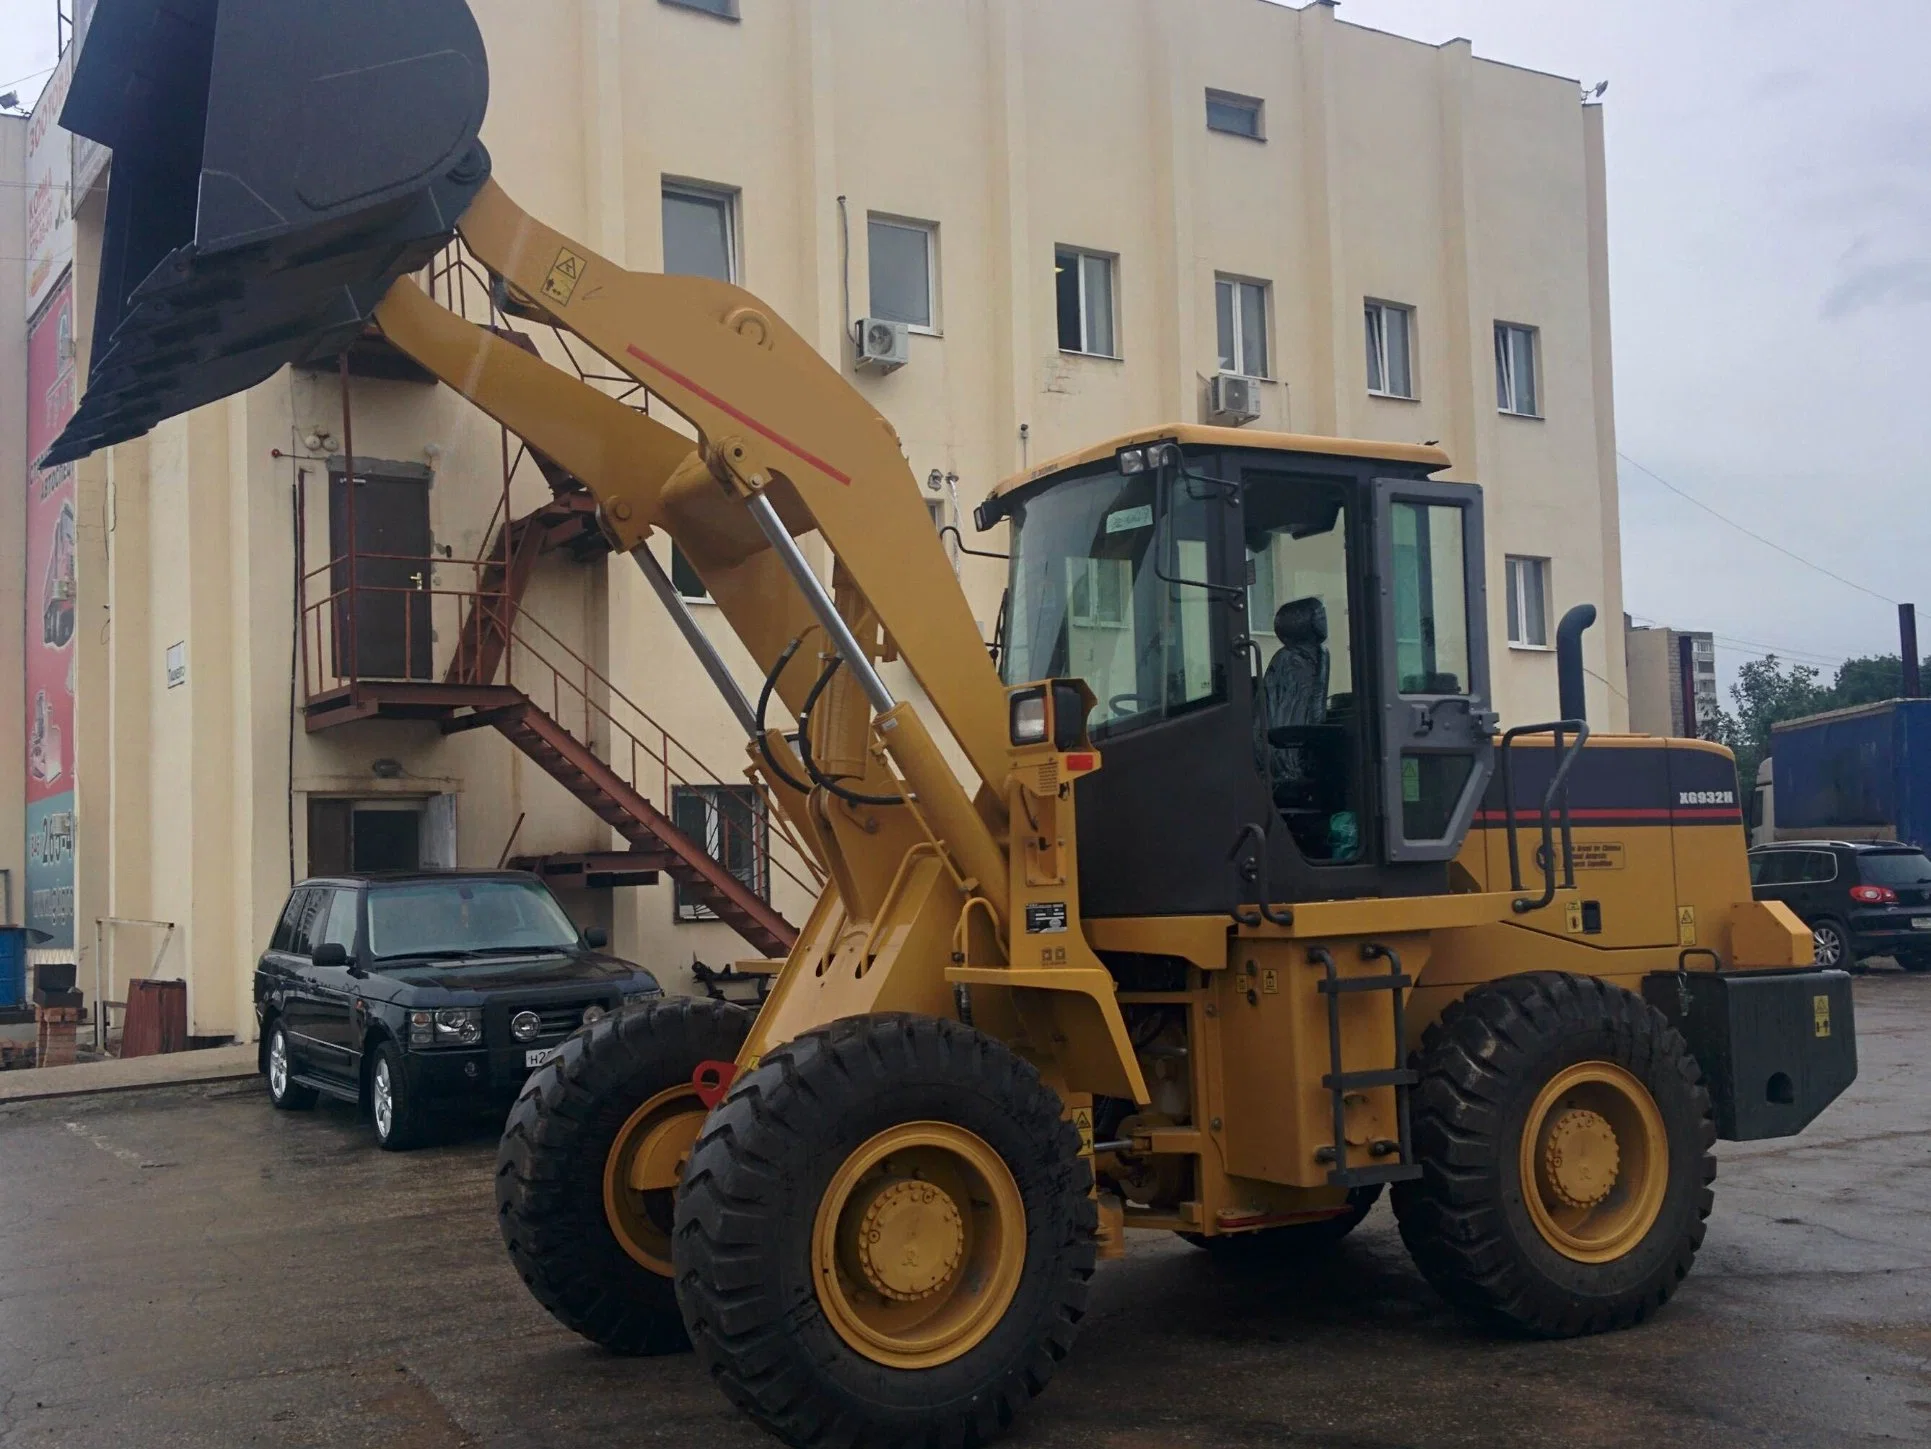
(1083,212)
(1655,668)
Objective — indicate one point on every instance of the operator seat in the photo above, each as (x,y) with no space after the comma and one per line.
(1294,691)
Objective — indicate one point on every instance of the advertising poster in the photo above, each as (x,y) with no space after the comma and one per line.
(50,207)
(52,622)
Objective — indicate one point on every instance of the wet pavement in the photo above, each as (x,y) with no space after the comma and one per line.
(185,1266)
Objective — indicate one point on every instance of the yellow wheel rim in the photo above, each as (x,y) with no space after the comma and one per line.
(1594,1161)
(642,1169)
(918,1245)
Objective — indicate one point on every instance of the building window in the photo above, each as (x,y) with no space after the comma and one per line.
(723,9)
(1102,592)
(1515,373)
(1236,115)
(729,821)
(905,272)
(1391,371)
(1528,583)
(1084,282)
(700,232)
(1240,314)
(684,578)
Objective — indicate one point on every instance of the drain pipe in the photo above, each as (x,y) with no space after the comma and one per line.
(1573,704)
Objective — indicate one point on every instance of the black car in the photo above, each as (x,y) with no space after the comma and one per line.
(419,992)
(1859,898)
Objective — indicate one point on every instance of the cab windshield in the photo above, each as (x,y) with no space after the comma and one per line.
(1105,587)
(465,917)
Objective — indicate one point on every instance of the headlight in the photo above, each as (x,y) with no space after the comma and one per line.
(1029,717)
(451,1026)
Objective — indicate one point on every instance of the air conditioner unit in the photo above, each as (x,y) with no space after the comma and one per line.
(1233,400)
(882,346)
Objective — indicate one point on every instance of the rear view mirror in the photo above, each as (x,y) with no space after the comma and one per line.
(330,953)
(596,937)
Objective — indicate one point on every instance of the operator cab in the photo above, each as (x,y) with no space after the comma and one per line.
(1280,631)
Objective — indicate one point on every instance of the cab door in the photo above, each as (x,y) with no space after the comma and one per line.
(1437,723)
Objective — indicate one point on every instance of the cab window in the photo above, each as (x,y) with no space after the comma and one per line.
(1306,714)
(1107,586)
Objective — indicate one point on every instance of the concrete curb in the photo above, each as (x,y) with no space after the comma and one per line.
(178,1069)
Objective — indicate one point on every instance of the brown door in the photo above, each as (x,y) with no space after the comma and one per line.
(381,586)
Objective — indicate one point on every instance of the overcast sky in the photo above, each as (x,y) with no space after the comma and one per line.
(1770,268)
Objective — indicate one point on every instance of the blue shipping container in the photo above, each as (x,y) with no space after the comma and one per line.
(13,966)
(1864,772)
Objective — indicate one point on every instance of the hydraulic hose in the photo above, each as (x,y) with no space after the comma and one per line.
(764,703)
(852,797)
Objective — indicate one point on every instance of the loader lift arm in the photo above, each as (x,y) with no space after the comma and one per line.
(785,446)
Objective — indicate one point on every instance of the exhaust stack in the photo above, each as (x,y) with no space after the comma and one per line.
(276,167)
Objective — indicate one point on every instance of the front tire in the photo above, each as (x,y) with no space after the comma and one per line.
(593,1248)
(393,1109)
(885,1236)
(284,1091)
(1565,1135)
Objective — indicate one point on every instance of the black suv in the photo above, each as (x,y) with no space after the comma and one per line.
(428,990)
(1859,898)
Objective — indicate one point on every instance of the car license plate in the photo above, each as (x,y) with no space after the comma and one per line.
(1921,923)
(541,1056)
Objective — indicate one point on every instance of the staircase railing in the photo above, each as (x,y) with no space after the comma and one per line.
(653,761)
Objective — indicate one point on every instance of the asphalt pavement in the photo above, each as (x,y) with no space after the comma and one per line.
(186,1266)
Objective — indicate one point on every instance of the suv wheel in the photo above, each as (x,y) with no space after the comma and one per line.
(398,1121)
(1832,946)
(283,1090)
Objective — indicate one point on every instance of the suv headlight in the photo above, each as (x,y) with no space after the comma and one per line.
(448,1026)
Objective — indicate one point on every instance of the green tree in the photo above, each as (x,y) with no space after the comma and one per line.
(1869,679)
(1764,694)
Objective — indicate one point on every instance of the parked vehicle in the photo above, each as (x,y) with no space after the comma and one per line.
(412,994)
(1859,898)
(1853,774)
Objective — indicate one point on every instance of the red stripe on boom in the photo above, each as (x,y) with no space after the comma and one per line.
(750,422)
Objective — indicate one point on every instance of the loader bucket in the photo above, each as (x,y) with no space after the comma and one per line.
(276,167)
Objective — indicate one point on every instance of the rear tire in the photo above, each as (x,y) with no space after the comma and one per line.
(1831,946)
(556,1192)
(1293,1241)
(1915,962)
(278,1070)
(1619,1164)
(936,1141)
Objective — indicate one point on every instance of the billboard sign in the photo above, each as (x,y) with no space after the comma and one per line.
(50,176)
(52,623)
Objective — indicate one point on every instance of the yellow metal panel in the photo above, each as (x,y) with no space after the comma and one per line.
(1767,934)
(1190,433)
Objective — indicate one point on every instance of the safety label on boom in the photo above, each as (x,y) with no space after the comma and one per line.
(565,272)
(1045,916)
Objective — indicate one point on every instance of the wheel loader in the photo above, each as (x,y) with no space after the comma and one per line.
(1240,906)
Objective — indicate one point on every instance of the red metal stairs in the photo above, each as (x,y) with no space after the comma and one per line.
(656,844)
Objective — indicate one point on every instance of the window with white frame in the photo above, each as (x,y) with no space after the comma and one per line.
(1528,588)
(1516,389)
(1390,331)
(905,272)
(1084,286)
(1236,115)
(1240,318)
(700,232)
(1101,592)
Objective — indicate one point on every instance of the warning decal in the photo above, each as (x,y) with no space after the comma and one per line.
(565,272)
(1820,1014)
(1083,1120)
